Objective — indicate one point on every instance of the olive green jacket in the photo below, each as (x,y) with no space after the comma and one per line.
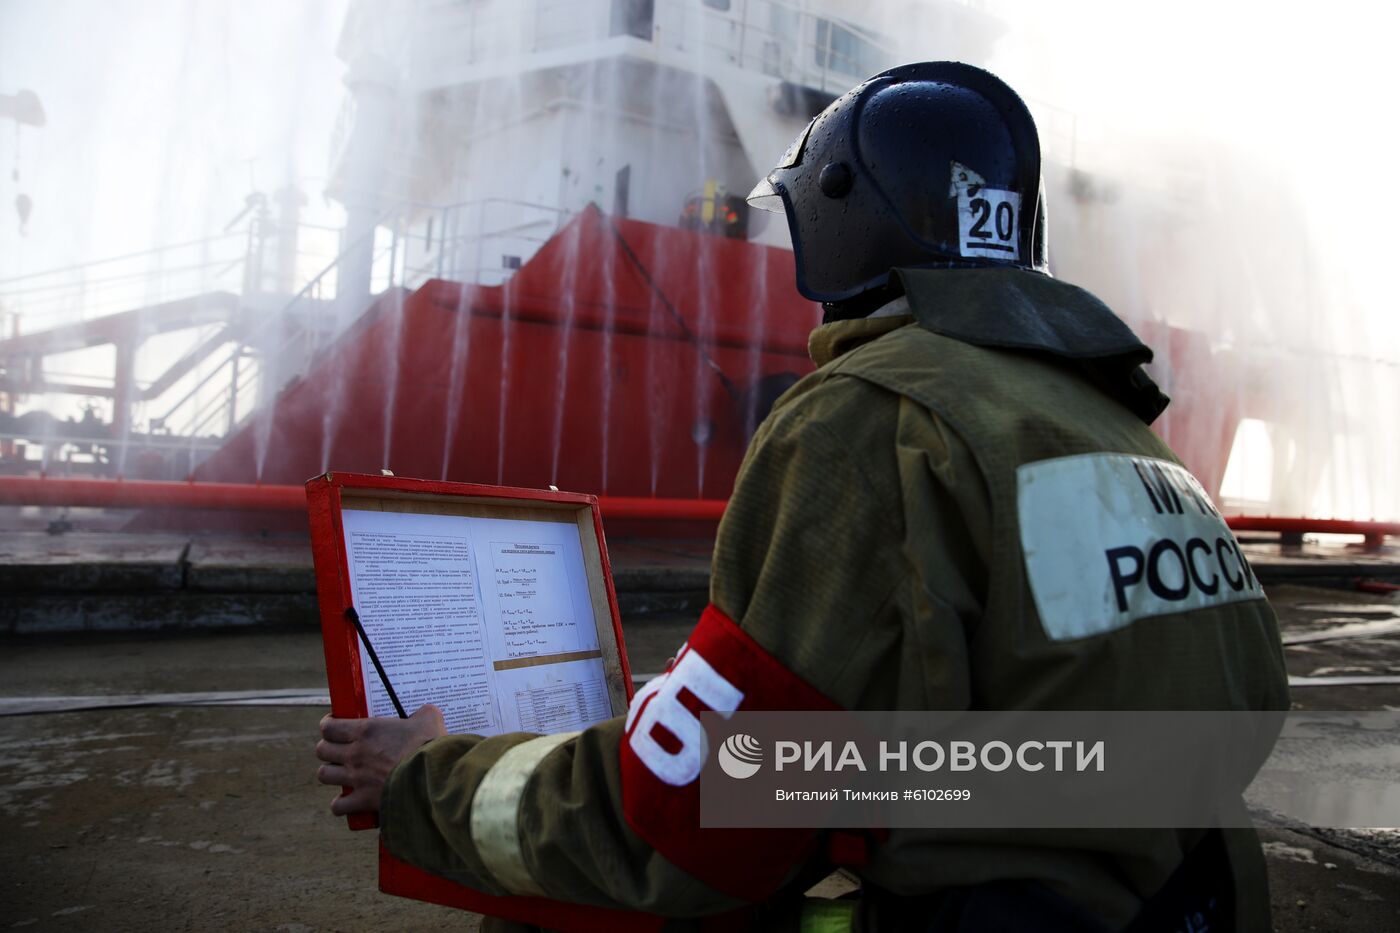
(872,547)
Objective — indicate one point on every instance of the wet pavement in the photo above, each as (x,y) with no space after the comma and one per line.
(209,817)
(190,817)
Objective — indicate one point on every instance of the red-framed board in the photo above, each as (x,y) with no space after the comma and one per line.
(329,498)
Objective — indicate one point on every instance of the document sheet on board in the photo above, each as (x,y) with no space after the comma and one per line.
(488,618)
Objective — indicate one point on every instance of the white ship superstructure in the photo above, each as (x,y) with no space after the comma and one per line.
(516,114)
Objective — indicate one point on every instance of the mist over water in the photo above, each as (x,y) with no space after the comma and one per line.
(1215,172)
(1230,199)
(1211,174)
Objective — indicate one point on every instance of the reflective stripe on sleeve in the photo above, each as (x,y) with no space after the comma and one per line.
(820,916)
(495,827)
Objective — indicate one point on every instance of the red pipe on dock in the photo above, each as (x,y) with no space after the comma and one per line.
(255,497)
(150,494)
(1322,526)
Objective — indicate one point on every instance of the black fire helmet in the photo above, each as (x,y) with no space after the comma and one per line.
(928,165)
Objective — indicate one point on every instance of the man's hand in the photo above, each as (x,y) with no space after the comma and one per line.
(360,753)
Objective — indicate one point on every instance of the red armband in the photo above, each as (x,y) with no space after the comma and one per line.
(720,668)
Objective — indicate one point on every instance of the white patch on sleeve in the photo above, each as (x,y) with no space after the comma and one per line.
(988,218)
(1110,538)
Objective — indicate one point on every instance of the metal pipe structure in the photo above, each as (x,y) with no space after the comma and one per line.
(150,494)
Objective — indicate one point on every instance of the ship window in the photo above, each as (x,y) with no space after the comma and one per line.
(633,18)
(840,49)
(622,190)
(721,5)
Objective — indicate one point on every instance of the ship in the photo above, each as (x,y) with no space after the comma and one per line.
(549,275)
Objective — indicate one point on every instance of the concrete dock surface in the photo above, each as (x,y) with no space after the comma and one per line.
(198,817)
(111,580)
(122,581)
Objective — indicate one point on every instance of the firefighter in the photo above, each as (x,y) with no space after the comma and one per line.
(927,521)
